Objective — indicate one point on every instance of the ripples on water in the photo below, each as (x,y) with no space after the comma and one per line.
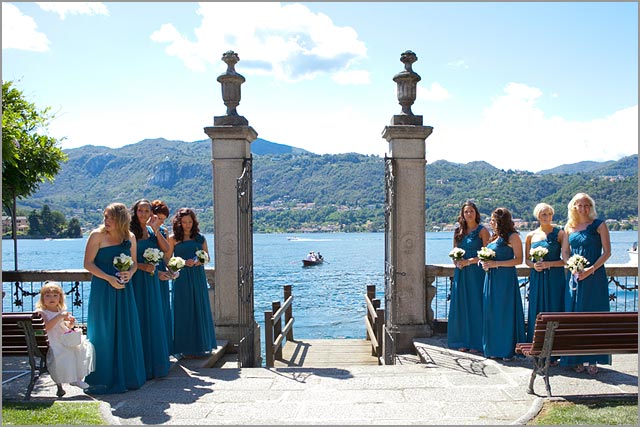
(328,298)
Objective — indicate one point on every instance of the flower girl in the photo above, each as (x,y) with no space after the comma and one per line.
(67,361)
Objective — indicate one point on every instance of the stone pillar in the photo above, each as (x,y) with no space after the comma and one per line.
(231,138)
(406,137)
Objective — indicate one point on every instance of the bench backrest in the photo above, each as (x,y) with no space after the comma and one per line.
(587,332)
(14,341)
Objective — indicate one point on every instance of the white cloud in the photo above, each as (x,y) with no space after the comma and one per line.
(64,8)
(358,77)
(287,41)
(20,31)
(513,133)
(460,63)
(434,93)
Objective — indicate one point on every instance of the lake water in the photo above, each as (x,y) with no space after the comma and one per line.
(328,299)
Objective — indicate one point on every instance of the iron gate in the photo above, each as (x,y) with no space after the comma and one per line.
(390,328)
(246,321)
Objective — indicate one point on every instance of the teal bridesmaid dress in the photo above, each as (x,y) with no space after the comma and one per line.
(146,288)
(113,327)
(193,330)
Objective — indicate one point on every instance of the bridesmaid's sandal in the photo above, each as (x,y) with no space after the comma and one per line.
(579,368)
(463,349)
(592,369)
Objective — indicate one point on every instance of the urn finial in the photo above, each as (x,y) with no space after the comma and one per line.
(231,81)
(407,82)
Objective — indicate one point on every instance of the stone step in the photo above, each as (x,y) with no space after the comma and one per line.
(216,354)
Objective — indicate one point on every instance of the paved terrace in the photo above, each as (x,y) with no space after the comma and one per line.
(450,388)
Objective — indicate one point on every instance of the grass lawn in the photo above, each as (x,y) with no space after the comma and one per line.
(604,411)
(46,413)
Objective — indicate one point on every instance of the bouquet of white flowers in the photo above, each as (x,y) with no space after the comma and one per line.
(153,256)
(537,254)
(174,265)
(202,256)
(456,254)
(576,264)
(122,262)
(486,254)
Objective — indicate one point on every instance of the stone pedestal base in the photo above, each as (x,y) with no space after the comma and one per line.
(406,334)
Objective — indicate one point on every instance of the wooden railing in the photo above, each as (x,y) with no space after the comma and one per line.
(374,321)
(274,334)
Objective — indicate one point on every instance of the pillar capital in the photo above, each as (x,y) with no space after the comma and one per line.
(407,142)
(233,142)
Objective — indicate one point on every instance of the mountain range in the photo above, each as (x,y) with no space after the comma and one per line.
(298,190)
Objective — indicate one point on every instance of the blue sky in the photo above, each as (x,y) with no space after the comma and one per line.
(525,86)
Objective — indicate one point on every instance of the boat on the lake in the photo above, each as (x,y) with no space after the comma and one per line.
(633,254)
(313,258)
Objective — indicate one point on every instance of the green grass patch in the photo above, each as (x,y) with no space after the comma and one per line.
(47,413)
(604,411)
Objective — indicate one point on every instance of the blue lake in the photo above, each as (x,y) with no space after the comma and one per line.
(329,298)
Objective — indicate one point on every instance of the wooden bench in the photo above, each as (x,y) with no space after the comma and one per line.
(24,334)
(576,334)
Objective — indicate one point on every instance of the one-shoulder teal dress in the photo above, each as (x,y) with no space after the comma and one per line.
(113,327)
(464,329)
(547,288)
(503,319)
(592,293)
(193,330)
(146,288)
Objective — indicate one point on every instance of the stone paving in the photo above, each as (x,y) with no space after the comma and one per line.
(451,388)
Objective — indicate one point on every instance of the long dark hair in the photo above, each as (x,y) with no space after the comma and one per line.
(504,223)
(178,232)
(135,226)
(462,228)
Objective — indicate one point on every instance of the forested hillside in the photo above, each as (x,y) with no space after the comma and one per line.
(294,189)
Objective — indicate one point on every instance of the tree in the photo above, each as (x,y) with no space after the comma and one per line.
(29,157)
(73,229)
(35,226)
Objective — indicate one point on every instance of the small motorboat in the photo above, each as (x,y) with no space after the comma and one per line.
(633,254)
(312,259)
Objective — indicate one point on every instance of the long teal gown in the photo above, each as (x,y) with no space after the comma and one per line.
(592,293)
(165,296)
(503,320)
(547,288)
(113,327)
(464,329)
(193,330)
(146,288)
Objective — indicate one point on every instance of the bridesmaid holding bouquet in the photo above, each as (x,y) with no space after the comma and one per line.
(464,330)
(113,326)
(193,329)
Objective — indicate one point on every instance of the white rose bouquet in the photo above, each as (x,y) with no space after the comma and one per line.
(122,262)
(174,265)
(153,256)
(202,256)
(576,264)
(537,254)
(456,254)
(486,254)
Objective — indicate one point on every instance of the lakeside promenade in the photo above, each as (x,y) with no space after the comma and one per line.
(453,388)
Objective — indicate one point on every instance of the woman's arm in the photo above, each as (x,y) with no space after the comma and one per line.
(527,249)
